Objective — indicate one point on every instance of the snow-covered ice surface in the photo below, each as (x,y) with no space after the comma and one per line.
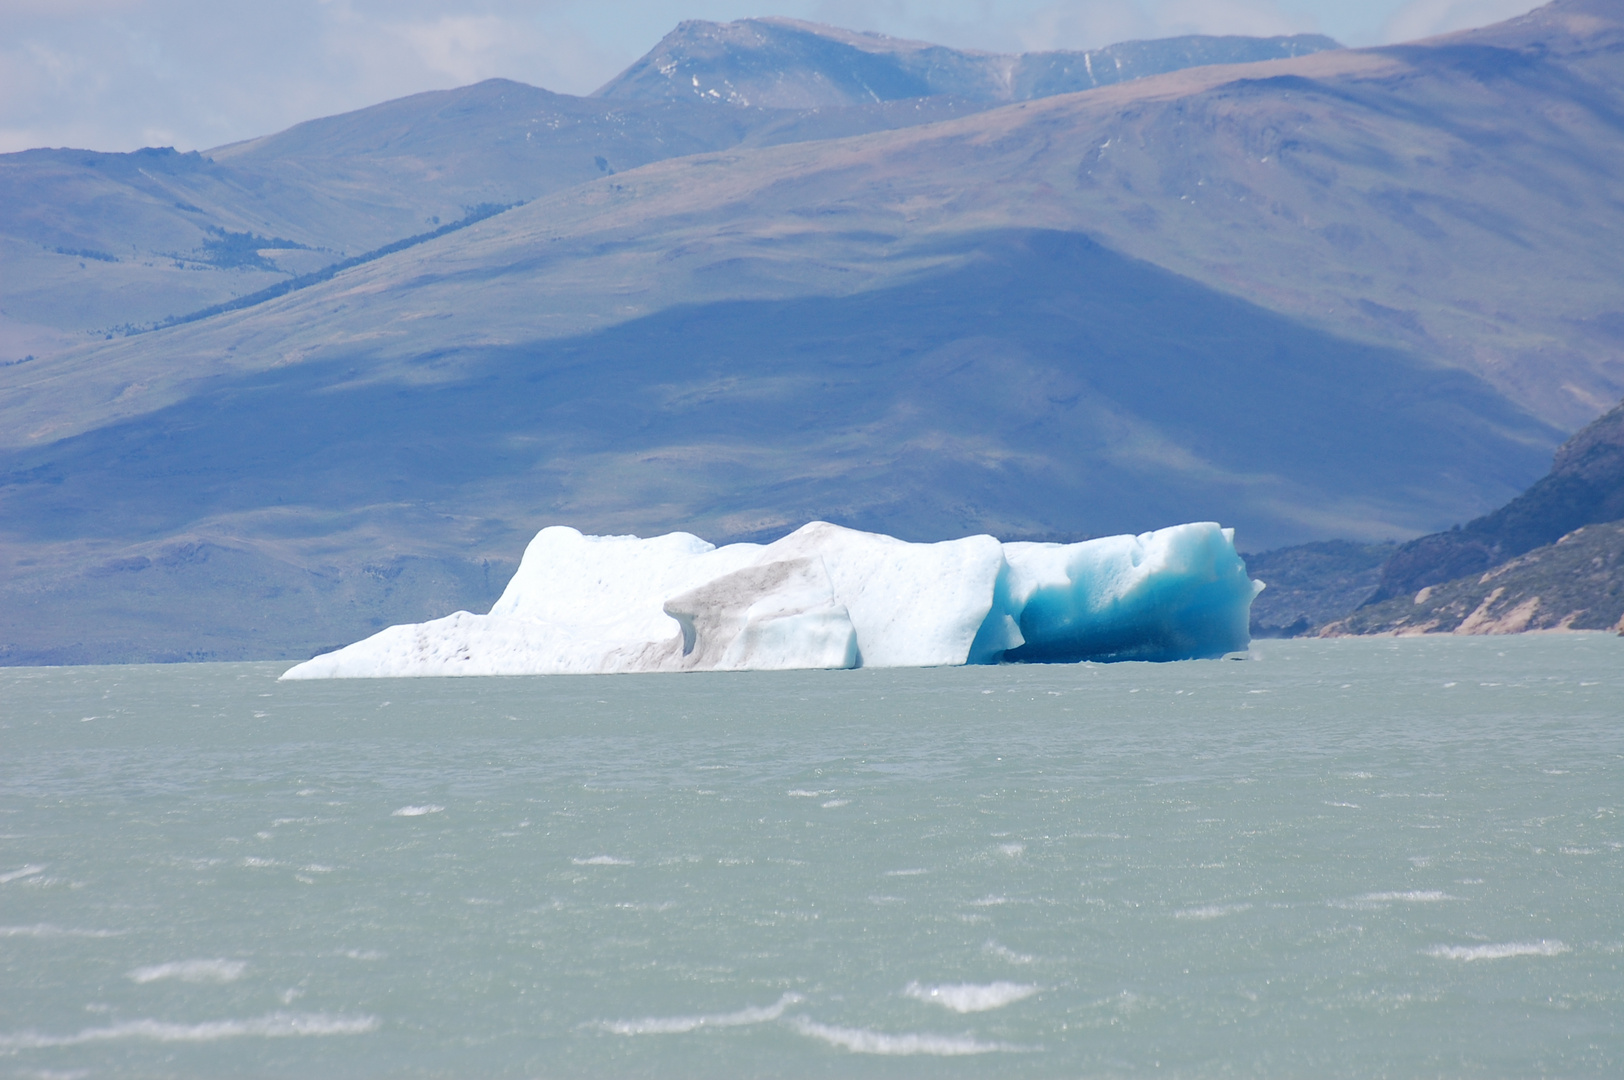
(828,597)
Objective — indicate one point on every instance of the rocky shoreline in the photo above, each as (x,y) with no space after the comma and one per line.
(1552,559)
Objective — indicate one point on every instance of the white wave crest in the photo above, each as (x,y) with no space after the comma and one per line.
(1003,952)
(274,1026)
(971,997)
(1498,952)
(678,1025)
(602,860)
(46,930)
(192,971)
(1381,899)
(862,1041)
(417,811)
(1211,911)
(20,873)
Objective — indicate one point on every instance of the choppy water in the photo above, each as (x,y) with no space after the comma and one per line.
(1345,858)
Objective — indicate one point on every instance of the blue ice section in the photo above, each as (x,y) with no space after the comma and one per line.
(1176,594)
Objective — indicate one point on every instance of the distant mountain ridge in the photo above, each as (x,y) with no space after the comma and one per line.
(94,243)
(338,186)
(790,64)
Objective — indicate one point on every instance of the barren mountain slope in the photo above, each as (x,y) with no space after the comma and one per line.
(112,243)
(1584,487)
(1462,197)
(1552,558)
(1575,583)
(1461,202)
(100,242)
(92,244)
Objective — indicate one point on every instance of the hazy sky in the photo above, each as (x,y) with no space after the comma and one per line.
(120,74)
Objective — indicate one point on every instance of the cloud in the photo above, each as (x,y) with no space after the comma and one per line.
(1425,18)
(1036,25)
(1091,25)
(400,55)
(464,48)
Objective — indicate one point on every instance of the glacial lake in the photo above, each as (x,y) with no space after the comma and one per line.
(1346,858)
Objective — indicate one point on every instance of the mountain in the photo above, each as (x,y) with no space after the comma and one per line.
(92,244)
(1584,487)
(1575,583)
(1552,558)
(98,243)
(1457,198)
(1360,293)
(790,64)
(1384,195)
(1309,585)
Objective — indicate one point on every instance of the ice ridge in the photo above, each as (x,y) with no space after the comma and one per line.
(828,597)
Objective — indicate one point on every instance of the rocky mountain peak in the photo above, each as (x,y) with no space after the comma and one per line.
(1596,453)
(791,64)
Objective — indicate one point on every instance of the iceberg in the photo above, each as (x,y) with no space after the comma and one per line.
(828,597)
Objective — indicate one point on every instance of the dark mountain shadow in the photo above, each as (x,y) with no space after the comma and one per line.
(1046,385)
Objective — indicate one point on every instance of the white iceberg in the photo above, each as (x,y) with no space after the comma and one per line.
(828,597)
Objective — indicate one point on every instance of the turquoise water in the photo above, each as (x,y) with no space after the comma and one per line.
(1341,858)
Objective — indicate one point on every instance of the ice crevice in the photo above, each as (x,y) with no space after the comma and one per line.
(828,597)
